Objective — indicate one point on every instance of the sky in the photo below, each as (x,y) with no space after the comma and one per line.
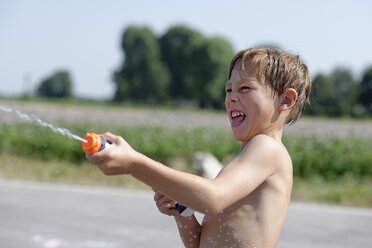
(40,37)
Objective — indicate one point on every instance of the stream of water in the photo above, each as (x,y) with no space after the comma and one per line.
(31,118)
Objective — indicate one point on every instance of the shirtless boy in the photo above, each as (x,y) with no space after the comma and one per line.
(246,204)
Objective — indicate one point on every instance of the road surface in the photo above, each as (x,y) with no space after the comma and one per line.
(45,215)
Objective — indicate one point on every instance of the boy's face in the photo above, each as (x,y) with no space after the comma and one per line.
(250,105)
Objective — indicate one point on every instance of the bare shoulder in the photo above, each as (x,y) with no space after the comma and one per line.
(266,150)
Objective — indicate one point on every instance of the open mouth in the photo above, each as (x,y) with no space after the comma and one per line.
(237,118)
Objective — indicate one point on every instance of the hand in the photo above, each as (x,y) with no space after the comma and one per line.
(165,204)
(116,159)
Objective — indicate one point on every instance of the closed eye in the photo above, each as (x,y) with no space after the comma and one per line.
(245,88)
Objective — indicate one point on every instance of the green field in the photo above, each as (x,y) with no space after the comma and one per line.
(330,170)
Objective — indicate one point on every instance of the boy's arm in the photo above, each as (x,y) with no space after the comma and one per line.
(245,173)
(188,227)
(190,230)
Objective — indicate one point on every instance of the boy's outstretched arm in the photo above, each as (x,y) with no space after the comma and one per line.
(121,158)
(238,179)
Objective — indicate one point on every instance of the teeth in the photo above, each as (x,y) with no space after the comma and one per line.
(236,114)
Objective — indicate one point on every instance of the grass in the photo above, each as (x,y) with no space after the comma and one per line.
(345,191)
(24,168)
(329,158)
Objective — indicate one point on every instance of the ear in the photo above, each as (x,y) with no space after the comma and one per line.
(287,99)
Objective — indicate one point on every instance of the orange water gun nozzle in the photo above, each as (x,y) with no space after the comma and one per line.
(95,143)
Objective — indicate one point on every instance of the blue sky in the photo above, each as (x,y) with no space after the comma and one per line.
(38,37)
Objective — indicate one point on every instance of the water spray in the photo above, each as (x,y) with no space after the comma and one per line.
(36,120)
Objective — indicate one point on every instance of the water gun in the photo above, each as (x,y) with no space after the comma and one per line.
(95,143)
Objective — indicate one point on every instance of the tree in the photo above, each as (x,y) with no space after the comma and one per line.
(323,97)
(365,96)
(334,95)
(58,85)
(178,45)
(346,90)
(210,68)
(198,65)
(143,76)
(180,64)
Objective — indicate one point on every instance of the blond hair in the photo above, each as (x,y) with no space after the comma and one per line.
(280,70)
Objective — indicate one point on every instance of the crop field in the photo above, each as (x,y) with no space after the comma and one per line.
(332,159)
(116,116)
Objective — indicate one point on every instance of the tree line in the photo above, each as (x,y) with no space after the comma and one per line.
(340,94)
(182,66)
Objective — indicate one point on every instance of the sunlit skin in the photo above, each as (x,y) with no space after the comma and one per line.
(246,204)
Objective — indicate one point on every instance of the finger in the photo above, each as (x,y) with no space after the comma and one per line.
(162,201)
(157,196)
(112,138)
(93,158)
(88,156)
(173,212)
(163,198)
(98,157)
(165,207)
(166,202)
(168,210)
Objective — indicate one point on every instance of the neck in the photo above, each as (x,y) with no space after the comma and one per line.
(274,132)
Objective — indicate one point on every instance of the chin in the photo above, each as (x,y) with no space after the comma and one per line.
(243,136)
(238,137)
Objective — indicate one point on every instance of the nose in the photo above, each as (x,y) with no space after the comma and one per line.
(232,97)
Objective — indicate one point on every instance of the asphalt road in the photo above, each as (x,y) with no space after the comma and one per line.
(46,215)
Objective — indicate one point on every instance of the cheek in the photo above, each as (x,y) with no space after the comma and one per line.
(226,104)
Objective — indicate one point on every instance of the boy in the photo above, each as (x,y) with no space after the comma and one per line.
(246,204)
